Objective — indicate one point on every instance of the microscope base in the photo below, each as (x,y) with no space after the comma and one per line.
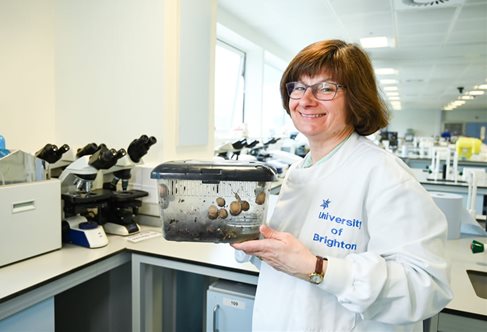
(118,229)
(89,238)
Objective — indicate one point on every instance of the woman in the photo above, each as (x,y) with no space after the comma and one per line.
(355,243)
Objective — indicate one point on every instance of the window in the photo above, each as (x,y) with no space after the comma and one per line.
(247,97)
(275,121)
(229,90)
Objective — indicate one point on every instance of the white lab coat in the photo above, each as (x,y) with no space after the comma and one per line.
(384,239)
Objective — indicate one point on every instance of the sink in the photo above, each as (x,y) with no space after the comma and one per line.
(479,282)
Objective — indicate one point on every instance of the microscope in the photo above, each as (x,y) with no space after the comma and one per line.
(83,205)
(233,150)
(119,217)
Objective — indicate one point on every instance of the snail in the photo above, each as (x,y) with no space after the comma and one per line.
(235,208)
(163,191)
(220,201)
(212,212)
(260,198)
(245,205)
(223,213)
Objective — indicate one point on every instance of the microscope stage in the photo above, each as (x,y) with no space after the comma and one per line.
(128,195)
(82,197)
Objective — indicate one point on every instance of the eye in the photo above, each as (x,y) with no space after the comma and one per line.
(299,87)
(326,88)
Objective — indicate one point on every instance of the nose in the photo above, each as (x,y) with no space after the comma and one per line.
(308,95)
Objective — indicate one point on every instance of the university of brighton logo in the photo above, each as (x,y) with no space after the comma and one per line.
(325,204)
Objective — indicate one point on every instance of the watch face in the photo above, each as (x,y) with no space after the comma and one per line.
(316,278)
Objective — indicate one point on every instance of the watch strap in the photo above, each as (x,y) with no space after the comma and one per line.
(319,265)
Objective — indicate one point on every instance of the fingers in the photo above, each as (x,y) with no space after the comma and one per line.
(248,246)
(267,232)
(259,247)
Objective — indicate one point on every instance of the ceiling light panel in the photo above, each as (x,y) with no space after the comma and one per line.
(386,71)
(387,81)
(476,93)
(375,42)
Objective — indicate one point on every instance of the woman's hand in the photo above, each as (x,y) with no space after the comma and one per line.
(282,251)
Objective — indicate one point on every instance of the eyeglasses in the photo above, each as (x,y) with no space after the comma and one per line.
(322,90)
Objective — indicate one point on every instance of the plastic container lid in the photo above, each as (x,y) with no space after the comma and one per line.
(214,171)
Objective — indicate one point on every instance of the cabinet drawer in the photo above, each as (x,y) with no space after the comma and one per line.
(455,323)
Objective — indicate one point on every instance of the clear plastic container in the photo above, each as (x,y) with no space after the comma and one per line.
(213,202)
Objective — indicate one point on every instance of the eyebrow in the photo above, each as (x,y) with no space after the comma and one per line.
(321,81)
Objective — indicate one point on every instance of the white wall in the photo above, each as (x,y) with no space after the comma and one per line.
(424,123)
(109,71)
(459,115)
(104,71)
(27,96)
(430,123)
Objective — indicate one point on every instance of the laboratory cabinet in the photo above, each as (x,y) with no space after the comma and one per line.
(100,304)
(454,323)
(229,306)
(38,317)
(89,298)
(159,285)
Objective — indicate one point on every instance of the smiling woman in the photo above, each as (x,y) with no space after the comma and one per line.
(342,96)
(375,267)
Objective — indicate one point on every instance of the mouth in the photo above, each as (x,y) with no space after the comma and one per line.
(312,116)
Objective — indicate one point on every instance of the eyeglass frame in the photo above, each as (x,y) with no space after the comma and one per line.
(313,89)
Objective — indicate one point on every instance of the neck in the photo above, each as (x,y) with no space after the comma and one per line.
(319,149)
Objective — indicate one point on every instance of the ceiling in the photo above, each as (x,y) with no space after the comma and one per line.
(438,47)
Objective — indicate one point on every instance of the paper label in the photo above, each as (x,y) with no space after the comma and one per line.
(234,303)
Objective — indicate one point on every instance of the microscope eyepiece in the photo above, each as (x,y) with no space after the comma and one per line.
(88,149)
(121,153)
(105,158)
(50,153)
(139,147)
(64,148)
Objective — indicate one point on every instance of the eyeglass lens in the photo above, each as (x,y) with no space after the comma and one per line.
(321,90)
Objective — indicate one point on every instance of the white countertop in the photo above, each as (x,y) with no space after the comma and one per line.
(27,274)
(31,272)
(423,178)
(16,278)
(461,259)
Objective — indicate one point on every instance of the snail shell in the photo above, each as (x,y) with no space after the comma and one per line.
(212,212)
(220,201)
(223,213)
(235,208)
(260,198)
(245,205)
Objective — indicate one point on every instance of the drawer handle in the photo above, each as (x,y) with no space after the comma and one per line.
(215,310)
(23,206)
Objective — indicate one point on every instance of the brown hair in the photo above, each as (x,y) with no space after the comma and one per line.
(350,66)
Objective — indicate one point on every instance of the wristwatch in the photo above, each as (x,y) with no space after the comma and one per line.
(317,276)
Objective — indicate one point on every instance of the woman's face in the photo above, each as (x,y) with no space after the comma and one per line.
(316,119)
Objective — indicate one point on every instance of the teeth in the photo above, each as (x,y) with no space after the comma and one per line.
(312,115)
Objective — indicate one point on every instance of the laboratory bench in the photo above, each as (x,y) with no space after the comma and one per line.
(448,186)
(116,287)
(423,163)
(155,285)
